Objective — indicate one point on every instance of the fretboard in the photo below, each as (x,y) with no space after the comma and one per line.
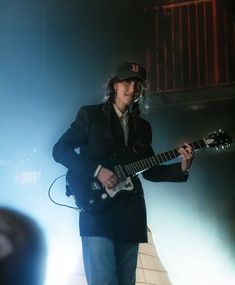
(135,167)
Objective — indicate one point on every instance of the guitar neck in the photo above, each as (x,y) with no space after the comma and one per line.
(135,167)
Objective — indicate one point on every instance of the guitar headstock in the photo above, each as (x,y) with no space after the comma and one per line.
(218,139)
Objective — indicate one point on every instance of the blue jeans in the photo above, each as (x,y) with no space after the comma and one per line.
(109,263)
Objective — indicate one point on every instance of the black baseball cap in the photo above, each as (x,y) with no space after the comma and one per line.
(127,70)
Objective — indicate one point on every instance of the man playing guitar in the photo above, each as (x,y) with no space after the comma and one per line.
(113,221)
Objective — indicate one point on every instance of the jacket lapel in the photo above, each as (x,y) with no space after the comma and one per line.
(117,131)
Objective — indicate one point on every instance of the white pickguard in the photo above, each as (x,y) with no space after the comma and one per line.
(125,185)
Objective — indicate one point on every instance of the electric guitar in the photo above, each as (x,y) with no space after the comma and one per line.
(93,196)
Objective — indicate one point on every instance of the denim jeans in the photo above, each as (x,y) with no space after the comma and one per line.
(109,263)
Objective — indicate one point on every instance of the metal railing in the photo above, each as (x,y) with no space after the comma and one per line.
(191,44)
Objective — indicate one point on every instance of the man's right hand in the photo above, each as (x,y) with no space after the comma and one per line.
(107,177)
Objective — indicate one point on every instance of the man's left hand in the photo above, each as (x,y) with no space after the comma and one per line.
(187,156)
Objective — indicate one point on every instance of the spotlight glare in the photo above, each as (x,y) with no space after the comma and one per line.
(61,262)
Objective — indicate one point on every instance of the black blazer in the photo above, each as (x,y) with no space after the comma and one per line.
(97,139)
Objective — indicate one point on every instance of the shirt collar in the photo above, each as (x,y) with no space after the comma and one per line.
(119,113)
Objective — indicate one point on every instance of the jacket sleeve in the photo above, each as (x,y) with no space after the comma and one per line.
(161,173)
(76,136)
(166,173)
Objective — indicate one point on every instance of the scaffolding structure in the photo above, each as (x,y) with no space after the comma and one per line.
(190,45)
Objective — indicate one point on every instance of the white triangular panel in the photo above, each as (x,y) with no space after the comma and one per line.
(150,270)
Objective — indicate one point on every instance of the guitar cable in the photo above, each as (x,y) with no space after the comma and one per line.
(67,191)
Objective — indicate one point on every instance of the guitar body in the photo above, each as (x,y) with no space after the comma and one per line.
(91,195)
